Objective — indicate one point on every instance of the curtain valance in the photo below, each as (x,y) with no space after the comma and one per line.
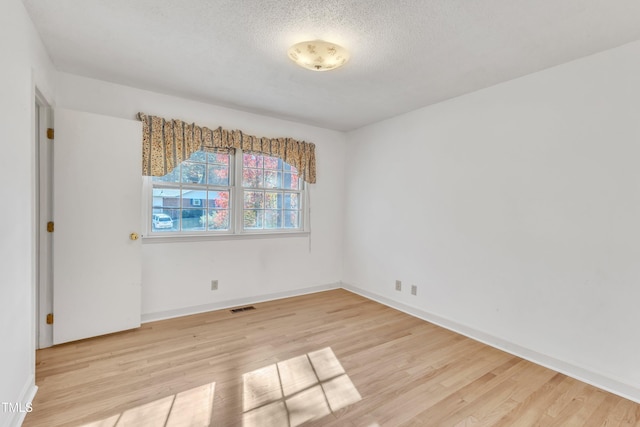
(167,143)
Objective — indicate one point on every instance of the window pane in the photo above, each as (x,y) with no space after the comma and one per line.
(291,181)
(218,158)
(272,200)
(198,156)
(193,172)
(272,179)
(272,219)
(163,220)
(253,219)
(193,198)
(165,198)
(253,200)
(289,168)
(218,175)
(292,201)
(218,199)
(191,219)
(252,178)
(291,219)
(272,162)
(173,176)
(252,161)
(216,219)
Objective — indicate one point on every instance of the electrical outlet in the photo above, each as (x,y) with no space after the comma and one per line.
(214,285)
(398,285)
(414,290)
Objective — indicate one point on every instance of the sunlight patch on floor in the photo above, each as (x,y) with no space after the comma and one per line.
(192,407)
(297,390)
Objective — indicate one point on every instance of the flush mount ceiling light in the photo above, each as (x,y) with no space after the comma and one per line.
(318,55)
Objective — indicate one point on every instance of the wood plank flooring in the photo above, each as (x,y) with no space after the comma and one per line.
(333,356)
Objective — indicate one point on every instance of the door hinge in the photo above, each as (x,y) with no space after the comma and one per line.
(50,133)
(50,319)
(50,226)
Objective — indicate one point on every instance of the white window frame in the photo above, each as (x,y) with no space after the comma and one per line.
(236,220)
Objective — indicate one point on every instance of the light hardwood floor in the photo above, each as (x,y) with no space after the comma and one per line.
(332,355)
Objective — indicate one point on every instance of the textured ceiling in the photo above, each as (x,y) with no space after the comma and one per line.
(405,54)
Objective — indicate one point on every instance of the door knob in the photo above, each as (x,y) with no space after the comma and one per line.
(134,236)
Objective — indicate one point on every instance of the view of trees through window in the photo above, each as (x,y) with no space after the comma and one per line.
(197,195)
(271,195)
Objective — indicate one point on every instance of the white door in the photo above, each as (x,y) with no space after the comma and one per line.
(97,202)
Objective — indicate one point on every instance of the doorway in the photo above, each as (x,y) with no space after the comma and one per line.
(43,183)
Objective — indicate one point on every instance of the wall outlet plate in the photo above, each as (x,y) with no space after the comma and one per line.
(398,285)
(414,290)
(214,285)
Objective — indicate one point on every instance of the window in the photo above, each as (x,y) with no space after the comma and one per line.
(272,195)
(217,192)
(195,196)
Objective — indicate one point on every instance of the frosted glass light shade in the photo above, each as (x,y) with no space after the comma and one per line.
(318,55)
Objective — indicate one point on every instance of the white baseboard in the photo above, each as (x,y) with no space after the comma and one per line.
(604,382)
(26,396)
(169,314)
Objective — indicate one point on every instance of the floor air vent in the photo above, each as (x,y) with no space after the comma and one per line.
(240,309)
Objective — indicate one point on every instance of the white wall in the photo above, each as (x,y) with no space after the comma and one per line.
(24,64)
(176,276)
(516,212)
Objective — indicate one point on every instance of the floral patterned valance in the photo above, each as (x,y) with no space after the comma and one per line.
(167,143)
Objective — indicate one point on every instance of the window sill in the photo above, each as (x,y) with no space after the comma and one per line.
(212,237)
